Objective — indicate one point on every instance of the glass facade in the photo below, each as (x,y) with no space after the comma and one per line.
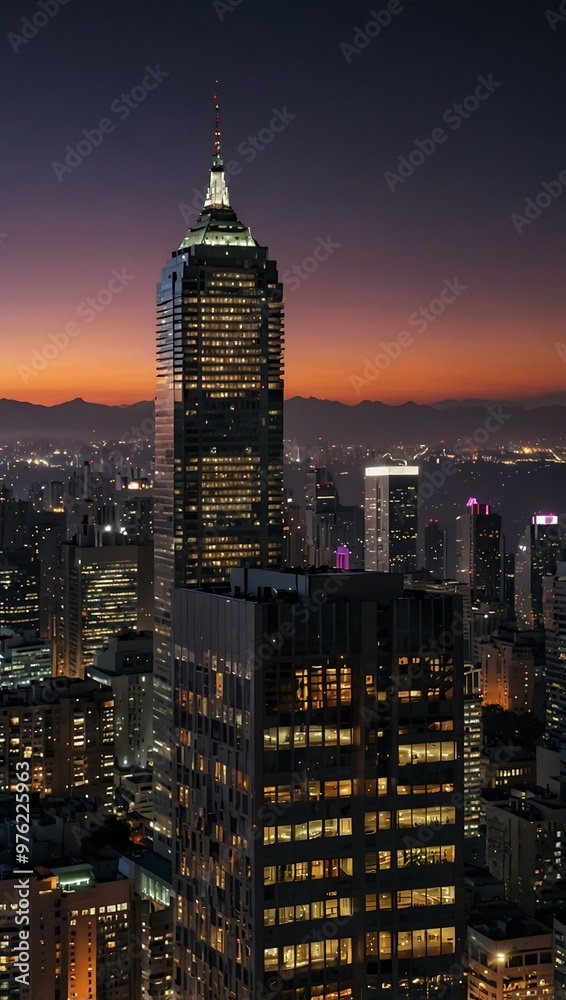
(219,430)
(319,837)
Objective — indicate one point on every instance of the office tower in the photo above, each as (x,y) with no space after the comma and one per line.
(321,505)
(330,526)
(24,658)
(526,848)
(19,590)
(319,744)
(294,535)
(152,880)
(509,579)
(65,729)
(479,552)
(555,674)
(50,529)
(505,766)
(85,934)
(509,954)
(134,506)
(508,670)
(538,554)
(218,493)
(106,587)
(473,742)
(391,518)
(348,534)
(435,551)
(125,664)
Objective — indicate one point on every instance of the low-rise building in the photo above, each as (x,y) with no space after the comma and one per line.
(509,955)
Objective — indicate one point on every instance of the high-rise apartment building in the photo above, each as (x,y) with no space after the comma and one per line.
(126,666)
(319,766)
(508,670)
(539,552)
(85,937)
(473,740)
(391,518)
(65,729)
(218,491)
(106,586)
(479,551)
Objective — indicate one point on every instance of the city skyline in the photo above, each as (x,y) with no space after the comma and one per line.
(384,246)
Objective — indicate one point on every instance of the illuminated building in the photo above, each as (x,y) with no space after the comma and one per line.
(85,934)
(218,493)
(508,670)
(479,555)
(106,587)
(65,729)
(538,554)
(319,762)
(126,665)
(473,739)
(509,955)
(555,673)
(435,551)
(505,766)
(19,590)
(134,503)
(391,518)
(24,658)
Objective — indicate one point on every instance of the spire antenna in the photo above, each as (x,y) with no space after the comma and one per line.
(217,132)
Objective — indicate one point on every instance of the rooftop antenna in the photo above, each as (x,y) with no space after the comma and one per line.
(217,123)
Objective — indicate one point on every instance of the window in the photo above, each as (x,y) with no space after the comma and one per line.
(420,753)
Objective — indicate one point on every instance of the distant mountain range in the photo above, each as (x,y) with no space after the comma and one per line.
(310,420)
(381,426)
(76,420)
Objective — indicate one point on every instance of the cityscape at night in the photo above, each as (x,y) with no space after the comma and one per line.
(283,501)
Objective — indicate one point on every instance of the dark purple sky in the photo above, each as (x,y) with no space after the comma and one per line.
(321,177)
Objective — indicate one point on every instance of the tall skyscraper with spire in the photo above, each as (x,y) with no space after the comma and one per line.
(219,428)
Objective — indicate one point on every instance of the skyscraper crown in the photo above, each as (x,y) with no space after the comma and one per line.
(218,224)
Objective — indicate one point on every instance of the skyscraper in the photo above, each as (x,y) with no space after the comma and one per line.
(219,428)
(435,550)
(479,552)
(105,586)
(391,516)
(319,769)
(538,554)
